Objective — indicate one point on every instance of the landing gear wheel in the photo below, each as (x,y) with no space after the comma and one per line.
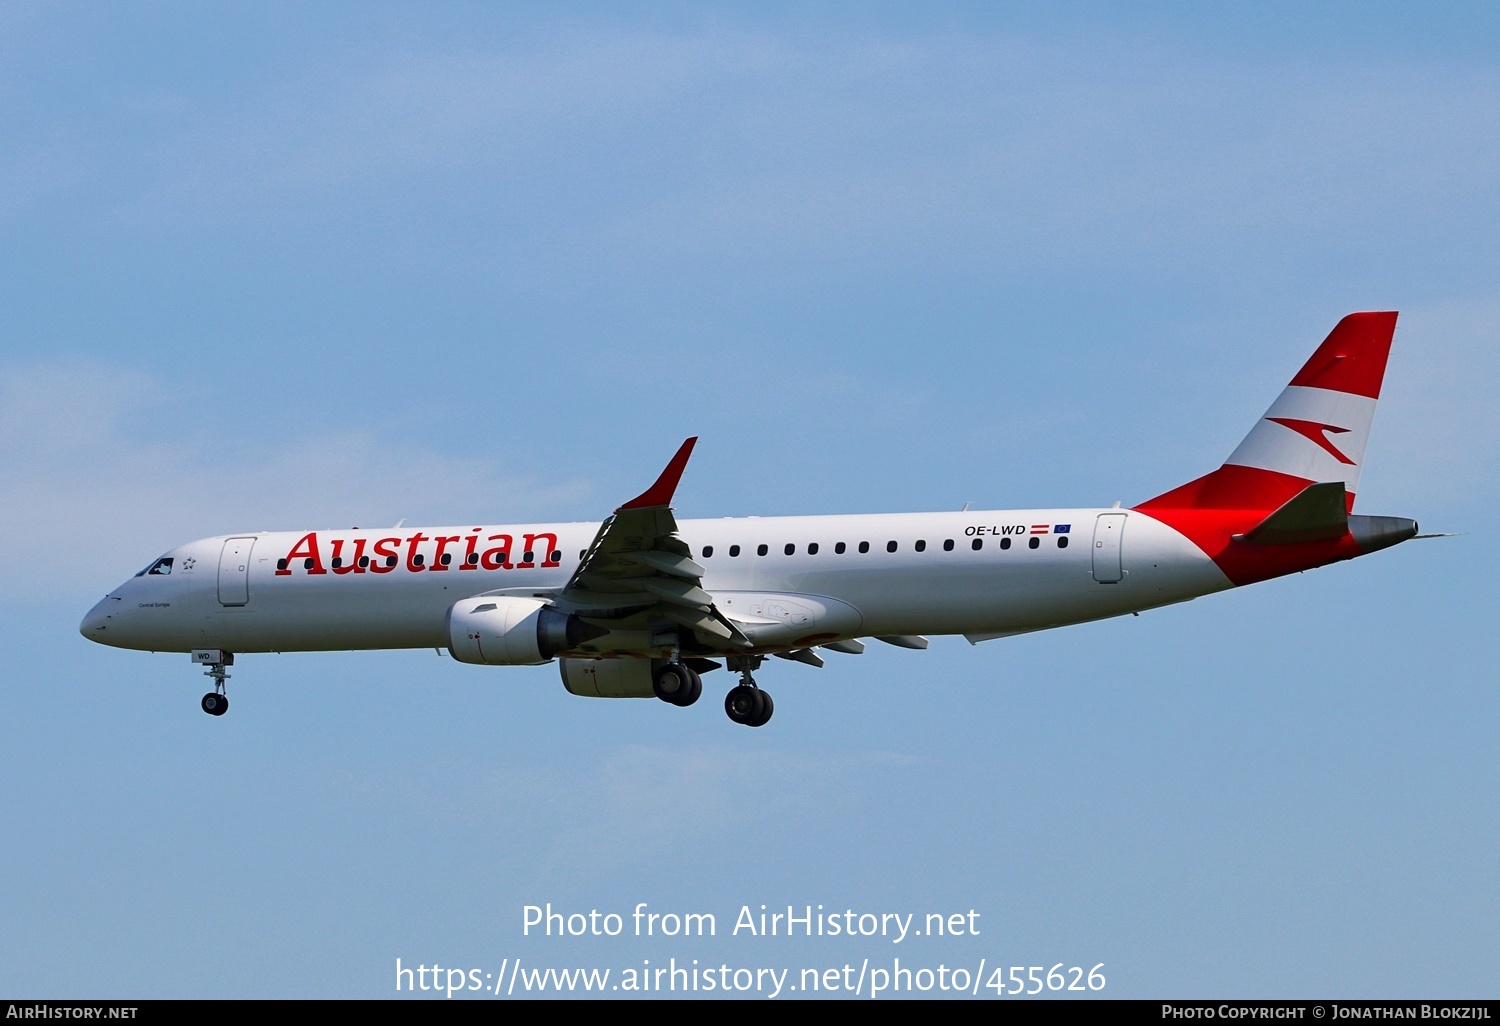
(767,708)
(694,691)
(673,683)
(747,705)
(215,704)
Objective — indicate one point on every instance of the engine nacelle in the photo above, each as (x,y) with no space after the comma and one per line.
(506,630)
(607,678)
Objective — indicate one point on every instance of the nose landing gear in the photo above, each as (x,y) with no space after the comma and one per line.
(216,702)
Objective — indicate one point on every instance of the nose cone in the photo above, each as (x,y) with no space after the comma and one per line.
(95,625)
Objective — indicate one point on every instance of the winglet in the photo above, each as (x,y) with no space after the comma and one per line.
(660,494)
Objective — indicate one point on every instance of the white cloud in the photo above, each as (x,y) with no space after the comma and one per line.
(90,492)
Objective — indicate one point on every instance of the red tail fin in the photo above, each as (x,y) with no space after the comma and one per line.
(1315,432)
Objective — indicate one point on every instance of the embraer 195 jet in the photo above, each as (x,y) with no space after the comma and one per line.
(643,604)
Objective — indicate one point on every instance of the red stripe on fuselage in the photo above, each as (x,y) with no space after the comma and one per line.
(1213,530)
(1209,511)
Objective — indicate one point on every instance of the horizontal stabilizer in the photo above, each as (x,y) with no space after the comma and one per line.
(1317,513)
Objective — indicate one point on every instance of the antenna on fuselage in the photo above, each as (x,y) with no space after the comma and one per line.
(399,523)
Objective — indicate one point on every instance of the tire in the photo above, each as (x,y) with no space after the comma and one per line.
(743,704)
(672,682)
(215,704)
(695,688)
(767,708)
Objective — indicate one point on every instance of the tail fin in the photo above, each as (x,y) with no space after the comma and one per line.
(1314,433)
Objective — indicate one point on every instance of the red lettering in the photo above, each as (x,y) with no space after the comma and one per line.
(547,560)
(411,551)
(471,562)
(437,556)
(497,558)
(307,549)
(385,551)
(352,567)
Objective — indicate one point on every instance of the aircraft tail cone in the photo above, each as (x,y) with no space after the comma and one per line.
(1372,533)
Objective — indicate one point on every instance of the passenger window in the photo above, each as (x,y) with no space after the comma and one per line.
(921,546)
(1004,543)
(864,546)
(890,546)
(708,551)
(1062,541)
(838,549)
(280,565)
(389,561)
(790,550)
(1034,543)
(365,560)
(979,543)
(812,548)
(761,550)
(734,550)
(948,545)
(447,559)
(337,562)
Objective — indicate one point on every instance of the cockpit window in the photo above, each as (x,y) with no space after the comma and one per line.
(161,568)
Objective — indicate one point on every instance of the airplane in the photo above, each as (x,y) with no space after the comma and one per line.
(643,605)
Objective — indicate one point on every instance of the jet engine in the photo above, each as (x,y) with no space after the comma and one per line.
(607,678)
(507,630)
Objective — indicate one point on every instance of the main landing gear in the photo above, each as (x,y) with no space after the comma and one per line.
(216,702)
(747,704)
(677,684)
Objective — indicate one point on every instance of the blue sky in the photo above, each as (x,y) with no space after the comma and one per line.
(274,267)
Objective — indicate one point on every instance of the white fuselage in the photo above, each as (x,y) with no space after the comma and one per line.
(242,593)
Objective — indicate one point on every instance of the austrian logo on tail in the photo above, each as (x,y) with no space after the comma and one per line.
(1315,432)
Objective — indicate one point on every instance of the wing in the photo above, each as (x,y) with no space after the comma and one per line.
(638,575)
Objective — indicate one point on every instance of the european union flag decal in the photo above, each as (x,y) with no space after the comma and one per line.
(1060,528)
